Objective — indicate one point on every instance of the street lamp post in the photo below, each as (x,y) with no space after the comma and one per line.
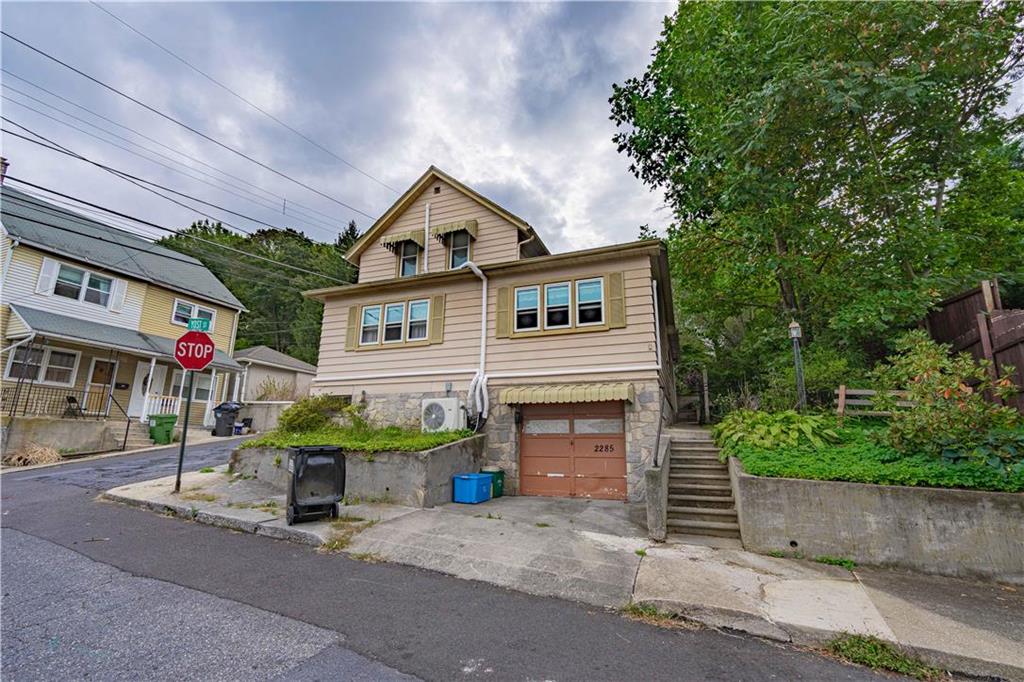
(801,392)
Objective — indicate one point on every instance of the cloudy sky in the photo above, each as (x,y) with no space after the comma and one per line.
(509,98)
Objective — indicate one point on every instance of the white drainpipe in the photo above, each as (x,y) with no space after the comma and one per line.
(14,345)
(426,239)
(7,260)
(478,386)
(525,242)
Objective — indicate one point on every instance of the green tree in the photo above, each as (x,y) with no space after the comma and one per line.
(813,154)
(278,315)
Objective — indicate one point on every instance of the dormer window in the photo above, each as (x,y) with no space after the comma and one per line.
(458,250)
(409,262)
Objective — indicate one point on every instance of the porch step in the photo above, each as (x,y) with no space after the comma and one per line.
(703,501)
(703,489)
(722,529)
(702,514)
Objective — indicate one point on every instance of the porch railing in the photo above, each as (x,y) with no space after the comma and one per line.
(52,401)
(160,404)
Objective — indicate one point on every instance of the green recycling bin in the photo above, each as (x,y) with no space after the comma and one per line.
(497,480)
(161,428)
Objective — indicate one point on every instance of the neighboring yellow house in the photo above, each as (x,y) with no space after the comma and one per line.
(564,361)
(89,314)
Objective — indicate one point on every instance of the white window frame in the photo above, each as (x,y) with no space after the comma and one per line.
(452,248)
(87,275)
(384,323)
(515,309)
(409,320)
(92,367)
(44,364)
(178,379)
(195,309)
(576,302)
(402,257)
(362,324)
(569,312)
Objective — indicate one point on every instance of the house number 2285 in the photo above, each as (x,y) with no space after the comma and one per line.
(604,447)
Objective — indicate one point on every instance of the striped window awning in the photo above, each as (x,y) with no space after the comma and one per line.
(439,231)
(392,241)
(566,393)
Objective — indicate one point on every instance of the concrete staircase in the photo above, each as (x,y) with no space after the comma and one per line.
(138,435)
(700,498)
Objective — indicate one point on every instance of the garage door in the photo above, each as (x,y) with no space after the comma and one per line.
(573,450)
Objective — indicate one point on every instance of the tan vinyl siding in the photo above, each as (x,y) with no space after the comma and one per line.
(498,239)
(159,305)
(629,346)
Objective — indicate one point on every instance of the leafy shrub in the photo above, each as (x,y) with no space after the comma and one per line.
(772,430)
(390,439)
(312,413)
(825,368)
(862,455)
(271,389)
(950,415)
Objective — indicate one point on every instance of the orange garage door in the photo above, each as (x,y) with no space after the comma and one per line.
(573,450)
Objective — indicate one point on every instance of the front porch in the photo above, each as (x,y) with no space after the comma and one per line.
(70,369)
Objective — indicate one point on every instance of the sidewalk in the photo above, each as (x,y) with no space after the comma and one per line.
(587,551)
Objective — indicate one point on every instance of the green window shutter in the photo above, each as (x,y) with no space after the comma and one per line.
(437,319)
(501,322)
(616,301)
(353,328)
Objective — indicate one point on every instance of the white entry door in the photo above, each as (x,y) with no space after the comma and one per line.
(139,387)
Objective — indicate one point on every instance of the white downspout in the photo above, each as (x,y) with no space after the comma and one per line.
(14,345)
(245,378)
(211,397)
(7,260)
(149,389)
(478,386)
(426,239)
(524,243)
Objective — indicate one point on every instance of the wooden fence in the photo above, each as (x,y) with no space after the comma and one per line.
(975,322)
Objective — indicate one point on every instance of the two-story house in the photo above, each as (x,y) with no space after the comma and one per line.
(89,314)
(564,361)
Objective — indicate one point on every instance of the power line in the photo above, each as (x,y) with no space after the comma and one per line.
(134,179)
(310,209)
(60,213)
(173,169)
(183,125)
(147,223)
(240,97)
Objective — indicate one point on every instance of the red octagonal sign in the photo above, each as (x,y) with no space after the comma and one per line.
(194,350)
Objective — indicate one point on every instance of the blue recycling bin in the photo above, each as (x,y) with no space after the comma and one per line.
(471,488)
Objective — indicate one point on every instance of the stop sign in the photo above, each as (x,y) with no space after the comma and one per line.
(194,350)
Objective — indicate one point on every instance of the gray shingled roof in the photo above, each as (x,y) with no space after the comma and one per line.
(73,329)
(265,354)
(51,228)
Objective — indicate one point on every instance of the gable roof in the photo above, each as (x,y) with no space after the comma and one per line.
(264,355)
(410,195)
(49,227)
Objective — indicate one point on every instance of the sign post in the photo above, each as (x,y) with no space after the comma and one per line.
(194,351)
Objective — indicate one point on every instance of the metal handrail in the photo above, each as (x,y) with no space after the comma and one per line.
(661,420)
(127,420)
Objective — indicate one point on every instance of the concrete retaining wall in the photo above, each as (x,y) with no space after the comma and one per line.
(68,436)
(964,533)
(415,479)
(657,493)
(264,413)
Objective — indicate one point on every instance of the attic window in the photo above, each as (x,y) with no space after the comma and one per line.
(437,190)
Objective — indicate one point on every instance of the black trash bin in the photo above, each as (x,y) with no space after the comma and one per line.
(226,415)
(317,482)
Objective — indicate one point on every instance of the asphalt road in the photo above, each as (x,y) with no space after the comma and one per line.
(94,590)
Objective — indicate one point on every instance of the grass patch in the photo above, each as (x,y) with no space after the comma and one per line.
(390,439)
(350,500)
(368,557)
(206,470)
(345,519)
(541,524)
(640,552)
(848,564)
(197,496)
(874,653)
(777,553)
(342,532)
(859,456)
(649,613)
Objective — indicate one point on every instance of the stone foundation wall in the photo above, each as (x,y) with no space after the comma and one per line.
(66,435)
(502,448)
